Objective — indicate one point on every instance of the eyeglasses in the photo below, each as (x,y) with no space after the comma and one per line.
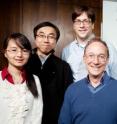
(49,37)
(85,22)
(15,51)
(101,58)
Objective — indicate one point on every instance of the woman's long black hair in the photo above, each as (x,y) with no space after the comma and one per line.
(22,41)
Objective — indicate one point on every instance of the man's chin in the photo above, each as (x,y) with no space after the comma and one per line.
(96,75)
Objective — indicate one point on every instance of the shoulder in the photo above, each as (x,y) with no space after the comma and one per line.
(68,50)
(33,61)
(112,52)
(61,66)
(76,90)
(109,80)
(113,80)
(76,86)
(59,61)
(70,45)
(34,56)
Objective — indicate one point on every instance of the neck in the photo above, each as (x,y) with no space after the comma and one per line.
(16,74)
(85,40)
(14,70)
(44,54)
(81,41)
(41,54)
(95,80)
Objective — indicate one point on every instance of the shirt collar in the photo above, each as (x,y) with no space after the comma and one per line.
(104,78)
(44,58)
(6,75)
(79,44)
(104,81)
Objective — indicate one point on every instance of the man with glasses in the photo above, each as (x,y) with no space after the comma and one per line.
(55,74)
(92,100)
(83,24)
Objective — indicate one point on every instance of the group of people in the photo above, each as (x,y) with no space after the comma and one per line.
(38,87)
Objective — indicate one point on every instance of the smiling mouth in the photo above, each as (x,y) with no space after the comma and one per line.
(82,31)
(19,60)
(46,45)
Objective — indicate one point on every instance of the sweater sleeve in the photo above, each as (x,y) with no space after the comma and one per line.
(65,113)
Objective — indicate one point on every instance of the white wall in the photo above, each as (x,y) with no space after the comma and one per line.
(109,24)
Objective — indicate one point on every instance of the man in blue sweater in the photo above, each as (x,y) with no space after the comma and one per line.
(93,99)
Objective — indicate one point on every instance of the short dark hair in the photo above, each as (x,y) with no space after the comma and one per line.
(45,24)
(78,10)
(97,39)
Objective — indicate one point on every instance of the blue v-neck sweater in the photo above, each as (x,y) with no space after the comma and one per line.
(81,106)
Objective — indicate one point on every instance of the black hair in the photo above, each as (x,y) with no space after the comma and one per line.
(45,24)
(22,41)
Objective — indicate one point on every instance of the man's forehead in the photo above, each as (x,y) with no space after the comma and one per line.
(47,29)
(83,15)
(94,45)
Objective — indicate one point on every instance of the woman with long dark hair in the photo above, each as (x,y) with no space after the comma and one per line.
(20,91)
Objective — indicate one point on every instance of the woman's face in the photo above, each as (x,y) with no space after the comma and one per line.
(16,56)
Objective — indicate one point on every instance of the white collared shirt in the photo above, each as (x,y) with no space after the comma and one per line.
(73,55)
